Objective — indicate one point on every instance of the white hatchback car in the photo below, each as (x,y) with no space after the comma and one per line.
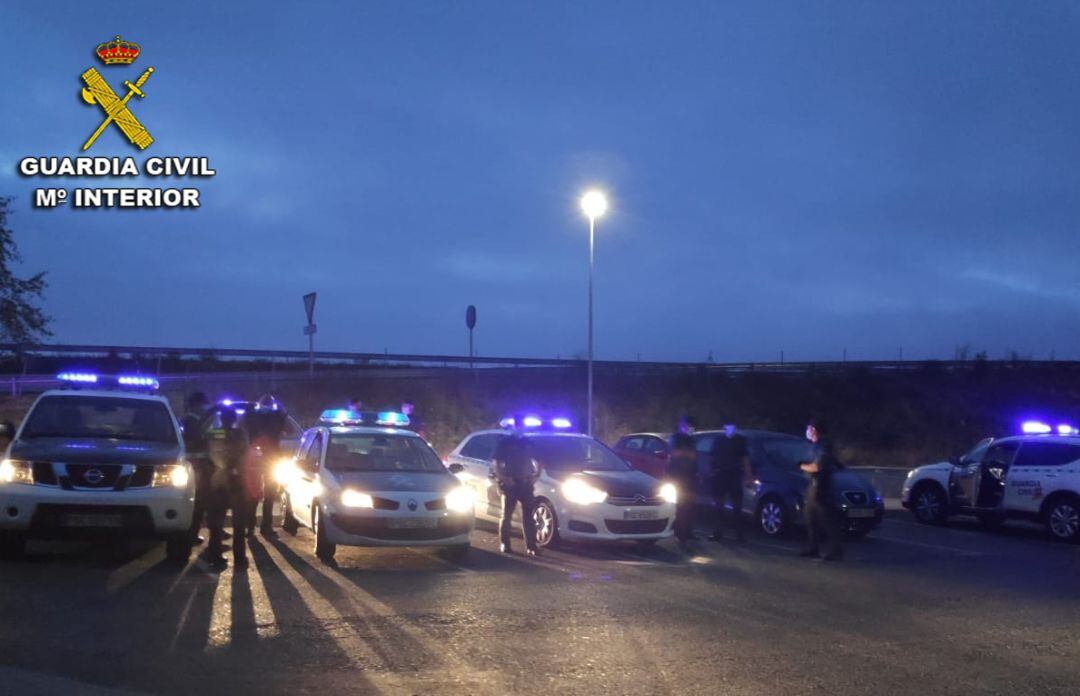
(1035,476)
(373,486)
(585,492)
(98,460)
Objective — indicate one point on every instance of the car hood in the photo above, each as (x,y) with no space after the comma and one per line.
(403,481)
(848,480)
(622,484)
(94,451)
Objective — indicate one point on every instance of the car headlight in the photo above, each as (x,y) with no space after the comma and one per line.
(669,493)
(356,499)
(460,499)
(12,471)
(581,493)
(175,475)
(285,471)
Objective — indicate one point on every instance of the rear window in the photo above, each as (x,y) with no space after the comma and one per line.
(1046,454)
(381,453)
(100,417)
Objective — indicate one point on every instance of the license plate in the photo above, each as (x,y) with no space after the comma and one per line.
(647,514)
(72,520)
(412,523)
(860,513)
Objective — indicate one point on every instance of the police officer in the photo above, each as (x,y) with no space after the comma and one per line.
(416,421)
(195,424)
(730,472)
(681,470)
(228,445)
(515,473)
(266,428)
(821,515)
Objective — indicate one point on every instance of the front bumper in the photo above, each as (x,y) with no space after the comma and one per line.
(861,519)
(384,528)
(606,522)
(47,512)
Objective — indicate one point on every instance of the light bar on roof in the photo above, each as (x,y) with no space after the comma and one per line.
(137,381)
(1035,428)
(341,415)
(392,418)
(561,423)
(78,377)
(1066,429)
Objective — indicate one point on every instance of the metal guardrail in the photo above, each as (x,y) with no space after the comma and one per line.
(415,359)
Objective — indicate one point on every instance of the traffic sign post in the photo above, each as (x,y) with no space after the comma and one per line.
(309,331)
(470,322)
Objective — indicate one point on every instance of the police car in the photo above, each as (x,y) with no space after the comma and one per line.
(1034,476)
(585,491)
(362,479)
(101,457)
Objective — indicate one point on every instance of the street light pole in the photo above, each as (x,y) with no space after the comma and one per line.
(593,204)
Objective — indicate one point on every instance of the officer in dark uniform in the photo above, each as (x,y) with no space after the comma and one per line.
(195,424)
(681,470)
(515,472)
(416,421)
(228,445)
(266,427)
(730,472)
(822,523)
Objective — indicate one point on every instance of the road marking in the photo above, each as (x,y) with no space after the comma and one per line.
(219,635)
(440,559)
(130,571)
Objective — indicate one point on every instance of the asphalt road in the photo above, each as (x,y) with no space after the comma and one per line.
(912,610)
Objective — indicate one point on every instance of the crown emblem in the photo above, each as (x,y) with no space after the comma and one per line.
(118,52)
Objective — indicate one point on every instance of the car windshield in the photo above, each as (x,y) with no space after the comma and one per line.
(101,417)
(378,452)
(575,454)
(786,453)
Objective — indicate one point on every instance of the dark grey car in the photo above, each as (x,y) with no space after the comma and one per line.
(775,498)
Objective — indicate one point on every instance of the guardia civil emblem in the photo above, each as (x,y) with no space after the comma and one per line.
(97,91)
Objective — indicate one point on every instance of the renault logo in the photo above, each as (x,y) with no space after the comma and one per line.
(93,476)
(412,504)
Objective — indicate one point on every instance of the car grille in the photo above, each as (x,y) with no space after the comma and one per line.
(375,528)
(384,503)
(45,474)
(437,504)
(856,497)
(633,500)
(93,475)
(636,526)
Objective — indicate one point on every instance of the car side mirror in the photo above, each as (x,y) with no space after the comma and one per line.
(455,468)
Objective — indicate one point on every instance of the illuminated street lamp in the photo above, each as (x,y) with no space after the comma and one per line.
(594,204)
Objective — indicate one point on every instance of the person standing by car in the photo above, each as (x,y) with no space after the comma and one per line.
(228,448)
(822,523)
(416,421)
(515,473)
(682,471)
(195,424)
(266,427)
(731,471)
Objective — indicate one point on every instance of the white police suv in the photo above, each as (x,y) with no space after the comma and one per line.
(100,457)
(1034,476)
(585,492)
(361,479)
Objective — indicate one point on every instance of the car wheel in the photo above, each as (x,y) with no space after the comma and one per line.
(178,548)
(12,545)
(547,524)
(1062,517)
(772,516)
(288,521)
(455,553)
(324,550)
(928,504)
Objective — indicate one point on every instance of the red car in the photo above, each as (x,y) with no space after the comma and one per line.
(646,452)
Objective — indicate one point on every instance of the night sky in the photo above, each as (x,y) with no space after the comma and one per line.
(804,176)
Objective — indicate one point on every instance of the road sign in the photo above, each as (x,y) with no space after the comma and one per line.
(310,329)
(470,317)
(309,307)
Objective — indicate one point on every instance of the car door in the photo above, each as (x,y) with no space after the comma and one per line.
(656,456)
(307,480)
(966,478)
(475,457)
(703,444)
(1036,472)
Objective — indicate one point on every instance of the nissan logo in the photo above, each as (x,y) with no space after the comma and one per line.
(412,504)
(93,476)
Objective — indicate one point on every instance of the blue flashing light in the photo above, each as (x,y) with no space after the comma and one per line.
(561,423)
(341,416)
(507,422)
(534,422)
(392,418)
(138,381)
(78,377)
(1066,429)
(1035,428)
(226,402)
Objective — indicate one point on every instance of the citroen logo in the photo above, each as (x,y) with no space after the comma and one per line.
(639,498)
(93,476)
(412,504)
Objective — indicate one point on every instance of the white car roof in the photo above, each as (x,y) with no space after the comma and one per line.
(366,430)
(107,393)
(500,431)
(1049,437)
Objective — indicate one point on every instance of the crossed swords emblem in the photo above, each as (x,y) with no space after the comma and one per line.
(97,91)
